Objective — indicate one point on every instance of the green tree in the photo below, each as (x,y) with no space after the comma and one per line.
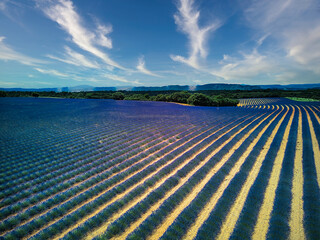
(35,94)
(3,94)
(180,97)
(118,96)
(160,97)
(146,95)
(199,99)
(138,97)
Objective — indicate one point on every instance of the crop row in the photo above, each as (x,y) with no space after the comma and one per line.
(186,177)
(133,161)
(76,145)
(134,180)
(95,158)
(101,175)
(188,215)
(72,138)
(190,164)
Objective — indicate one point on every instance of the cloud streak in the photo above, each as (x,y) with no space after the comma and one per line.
(52,72)
(295,24)
(75,58)
(64,13)
(8,54)
(304,47)
(245,68)
(187,20)
(293,28)
(142,68)
(119,78)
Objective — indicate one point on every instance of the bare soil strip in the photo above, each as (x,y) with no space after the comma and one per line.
(315,144)
(262,224)
(116,216)
(170,219)
(103,228)
(316,108)
(159,232)
(205,213)
(234,213)
(296,217)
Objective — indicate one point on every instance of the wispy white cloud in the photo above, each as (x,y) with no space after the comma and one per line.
(16,11)
(8,54)
(102,39)
(293,27)
(63,12)
(52,72)
(119,78)
(197,81)
(265,13)
(3,5)
(142,68)
(304,47)
(75,58)
(285,77)
(187,20)
(116,78)
(8,83)
(172,72)
(246,67)
(294,24)
(43,83)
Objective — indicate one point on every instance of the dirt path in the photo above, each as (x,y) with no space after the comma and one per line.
(170,219)
(316,108)
(234,213)
(262,224)
(205,213)
(296,217)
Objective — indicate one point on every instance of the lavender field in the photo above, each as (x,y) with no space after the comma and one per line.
(105,169)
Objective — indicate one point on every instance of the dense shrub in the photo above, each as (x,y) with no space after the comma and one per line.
(179,97)
(199,99)
(118,96)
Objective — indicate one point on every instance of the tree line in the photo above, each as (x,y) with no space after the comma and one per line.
(185,97)
(197,98)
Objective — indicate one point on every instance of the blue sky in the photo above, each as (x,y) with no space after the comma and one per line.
(57,43)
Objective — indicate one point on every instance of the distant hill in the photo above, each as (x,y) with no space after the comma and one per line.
(224,86)
(29,89)
(163,88)
(105,89)
(291,86)
(212,86)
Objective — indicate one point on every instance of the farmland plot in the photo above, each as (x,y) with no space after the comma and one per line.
(104,169)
